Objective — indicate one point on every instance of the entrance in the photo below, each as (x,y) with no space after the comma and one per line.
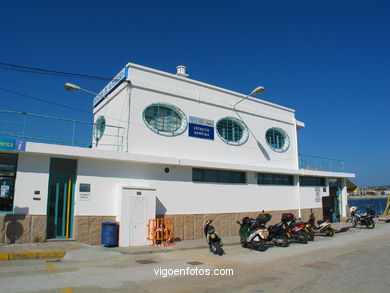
(60,198)
(331,203)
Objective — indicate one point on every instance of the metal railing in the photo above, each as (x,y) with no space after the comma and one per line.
(53,130)
(320,163)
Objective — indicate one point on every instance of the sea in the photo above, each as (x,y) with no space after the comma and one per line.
(376,204)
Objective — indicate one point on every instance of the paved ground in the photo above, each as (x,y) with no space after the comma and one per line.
(353,261)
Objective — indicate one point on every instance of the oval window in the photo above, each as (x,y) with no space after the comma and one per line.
(99,127)
(277,139)
(232,131)
(165,119)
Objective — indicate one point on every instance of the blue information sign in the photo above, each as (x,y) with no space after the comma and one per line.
(201,128)
(12,145)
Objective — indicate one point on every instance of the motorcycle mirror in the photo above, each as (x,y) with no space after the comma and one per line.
(238,223)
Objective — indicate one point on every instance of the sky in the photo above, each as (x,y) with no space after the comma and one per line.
(328,60)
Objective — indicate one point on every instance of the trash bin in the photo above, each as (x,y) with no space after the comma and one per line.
(110,234)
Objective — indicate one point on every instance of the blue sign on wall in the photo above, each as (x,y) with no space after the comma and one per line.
(12,145)
(201,128)
(113,84)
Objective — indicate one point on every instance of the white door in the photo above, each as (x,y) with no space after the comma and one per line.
(138,220)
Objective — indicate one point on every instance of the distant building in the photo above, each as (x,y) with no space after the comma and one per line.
(179,148)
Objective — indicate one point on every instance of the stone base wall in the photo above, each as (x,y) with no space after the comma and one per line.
(19,228)
(191,226)
(88,229)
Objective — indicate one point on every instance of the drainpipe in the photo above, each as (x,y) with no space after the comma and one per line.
(128,114)
(297,186)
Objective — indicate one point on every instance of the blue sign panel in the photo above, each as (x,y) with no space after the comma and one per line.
(121,76)
(201,128)
(12,145)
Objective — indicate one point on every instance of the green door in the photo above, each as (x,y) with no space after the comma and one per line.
(60,199)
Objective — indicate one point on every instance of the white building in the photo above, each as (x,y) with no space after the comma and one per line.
(177,148)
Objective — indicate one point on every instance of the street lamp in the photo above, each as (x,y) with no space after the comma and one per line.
(71,86)
(256,91)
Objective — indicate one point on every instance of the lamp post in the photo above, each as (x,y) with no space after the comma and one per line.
(71,86)
(256,91)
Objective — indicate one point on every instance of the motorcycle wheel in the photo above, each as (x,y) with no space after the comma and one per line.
(354,222)
(259,245)
(243,243)
(370,224)
(281,241)
(310,236)
(217,248)
(301,237)
(329,232)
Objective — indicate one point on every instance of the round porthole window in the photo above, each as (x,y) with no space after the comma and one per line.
(232,131)
(99,127)
(277,139)
(165,119)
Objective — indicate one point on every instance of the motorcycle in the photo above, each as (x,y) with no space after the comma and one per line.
(213,240)
(366,219)
(252,235)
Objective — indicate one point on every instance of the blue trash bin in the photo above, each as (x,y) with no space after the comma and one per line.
(109,234)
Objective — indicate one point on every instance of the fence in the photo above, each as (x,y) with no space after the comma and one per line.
(320,163)
(50,129)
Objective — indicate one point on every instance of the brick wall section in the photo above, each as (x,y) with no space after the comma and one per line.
(189,227)
(88,229)
(15,228)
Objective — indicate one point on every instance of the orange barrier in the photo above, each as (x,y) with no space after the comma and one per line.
(160,231)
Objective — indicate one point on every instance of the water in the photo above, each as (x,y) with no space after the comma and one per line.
(376,204)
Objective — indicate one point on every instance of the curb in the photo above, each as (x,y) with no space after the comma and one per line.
(32,255)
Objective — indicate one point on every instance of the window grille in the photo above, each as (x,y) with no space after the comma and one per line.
(165,119)
(232,131)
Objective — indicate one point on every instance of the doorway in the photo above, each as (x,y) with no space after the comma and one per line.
(61,198)
(331,203)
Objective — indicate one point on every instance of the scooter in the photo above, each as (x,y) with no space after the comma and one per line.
(323,227)
(297,231)
(251,235)
(279,235)
(213,240)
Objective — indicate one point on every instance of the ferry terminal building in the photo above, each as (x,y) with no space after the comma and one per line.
(164,145)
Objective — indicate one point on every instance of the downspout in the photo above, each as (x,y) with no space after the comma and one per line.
(298,192)
(128,114)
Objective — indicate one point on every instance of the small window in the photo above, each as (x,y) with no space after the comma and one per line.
(277,139)
(165,119)
(274,179)
(218,176)
(8,163)
(311,181)
(232,131)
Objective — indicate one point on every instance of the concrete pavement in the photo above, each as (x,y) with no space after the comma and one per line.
(58,249)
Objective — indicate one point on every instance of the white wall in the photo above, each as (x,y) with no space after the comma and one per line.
(32,175)
(175,191)
(308,196)
(204,102)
